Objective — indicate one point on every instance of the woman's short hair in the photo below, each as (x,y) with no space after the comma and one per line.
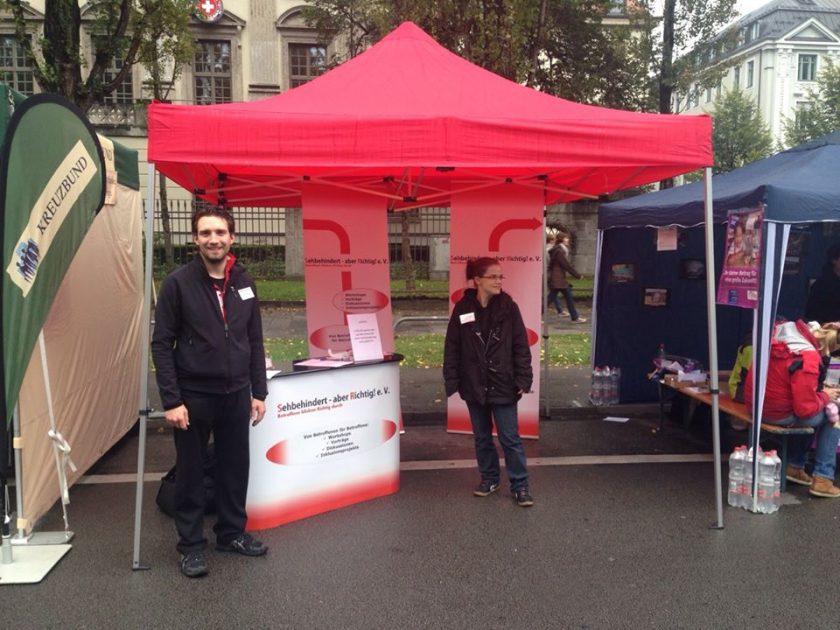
(479,266)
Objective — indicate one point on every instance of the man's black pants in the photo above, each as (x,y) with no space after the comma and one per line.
(228,417)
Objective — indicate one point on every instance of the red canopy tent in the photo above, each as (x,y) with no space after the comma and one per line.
(409,120)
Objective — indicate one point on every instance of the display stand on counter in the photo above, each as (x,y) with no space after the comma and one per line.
(329,439)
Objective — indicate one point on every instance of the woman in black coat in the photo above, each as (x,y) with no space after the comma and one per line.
(487,360)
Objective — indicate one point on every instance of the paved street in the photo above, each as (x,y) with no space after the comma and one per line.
(619,538)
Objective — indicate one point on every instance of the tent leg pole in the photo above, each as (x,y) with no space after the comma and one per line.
(144,368)
(544,385)
(21,535)
(714,380)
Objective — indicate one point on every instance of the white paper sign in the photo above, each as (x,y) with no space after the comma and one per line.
(364,336)
(666,239)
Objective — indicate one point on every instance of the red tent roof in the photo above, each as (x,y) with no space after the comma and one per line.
(410,120)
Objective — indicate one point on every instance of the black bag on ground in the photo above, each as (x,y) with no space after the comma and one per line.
(166,493)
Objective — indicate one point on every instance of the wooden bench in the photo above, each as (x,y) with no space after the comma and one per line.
(738,410)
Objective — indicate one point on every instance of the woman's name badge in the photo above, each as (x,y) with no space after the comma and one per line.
(246,294)
(466,318)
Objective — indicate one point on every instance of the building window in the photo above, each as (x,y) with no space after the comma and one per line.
(123,94)
(755,30)
(211,72)
(708,94)
(802,114)
(718,88)
(736,76)
(306,61)
(16,66)
(807,68)
(750,73)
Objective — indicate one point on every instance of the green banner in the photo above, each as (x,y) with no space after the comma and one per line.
(52,183)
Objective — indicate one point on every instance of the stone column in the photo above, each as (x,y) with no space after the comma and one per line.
(264,72)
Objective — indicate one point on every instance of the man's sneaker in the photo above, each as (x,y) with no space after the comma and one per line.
(579,320)
(244,544)
(523,497)
(798,476)
(486,488)
(822,487)
(193,564)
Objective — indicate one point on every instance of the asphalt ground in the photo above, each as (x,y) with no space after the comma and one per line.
(619,537)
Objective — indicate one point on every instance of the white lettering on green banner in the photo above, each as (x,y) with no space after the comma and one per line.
(51,208)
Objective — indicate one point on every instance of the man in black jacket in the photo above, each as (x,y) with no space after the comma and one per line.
(210,365)
(823,303)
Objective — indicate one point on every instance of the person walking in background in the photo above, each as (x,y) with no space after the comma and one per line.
(558,267)
(487,360)
(210,367)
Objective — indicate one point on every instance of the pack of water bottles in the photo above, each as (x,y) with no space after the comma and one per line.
(741,469)
(606,386)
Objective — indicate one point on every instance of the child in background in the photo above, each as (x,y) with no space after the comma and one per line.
(739,371)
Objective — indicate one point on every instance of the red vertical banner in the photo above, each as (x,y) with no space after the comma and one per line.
(504,223)
(346,268)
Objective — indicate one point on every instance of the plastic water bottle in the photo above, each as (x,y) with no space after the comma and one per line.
(777,480)
(746,493)
(616,385)
(737,462)
(595,391)
(766,483)
(660,357)
(606,379)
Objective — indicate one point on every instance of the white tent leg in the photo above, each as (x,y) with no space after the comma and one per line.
(546,305)
(144,367)
(714,381)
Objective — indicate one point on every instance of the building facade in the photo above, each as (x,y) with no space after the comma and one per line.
(775,59)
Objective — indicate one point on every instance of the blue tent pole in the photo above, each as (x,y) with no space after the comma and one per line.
(714,381)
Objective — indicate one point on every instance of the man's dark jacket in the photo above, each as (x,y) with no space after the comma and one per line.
(487,361)
(194,349)
(823,303)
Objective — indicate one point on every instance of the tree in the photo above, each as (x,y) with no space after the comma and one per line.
(121,28)
(821,115)
(561,48)
(739,134)
(691,24)
(164,52)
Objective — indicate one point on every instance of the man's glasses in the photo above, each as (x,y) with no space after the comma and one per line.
(495,276)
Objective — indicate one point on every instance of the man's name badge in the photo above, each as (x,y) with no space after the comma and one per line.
(466,318)
(246,294)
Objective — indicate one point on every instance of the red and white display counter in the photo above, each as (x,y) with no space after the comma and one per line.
(330,438)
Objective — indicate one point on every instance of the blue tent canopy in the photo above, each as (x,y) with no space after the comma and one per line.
(797,186)
(801,184)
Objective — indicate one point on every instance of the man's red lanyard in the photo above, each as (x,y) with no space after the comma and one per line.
(220,290)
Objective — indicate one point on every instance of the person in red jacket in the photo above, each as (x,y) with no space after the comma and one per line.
(794,397)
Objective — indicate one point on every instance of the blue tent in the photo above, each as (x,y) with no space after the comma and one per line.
(800,185)
(800,190)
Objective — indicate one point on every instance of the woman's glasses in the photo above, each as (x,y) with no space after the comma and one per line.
(495,276)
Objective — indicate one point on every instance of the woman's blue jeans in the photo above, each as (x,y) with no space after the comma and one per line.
(825,454)
(554,298)
(507,428)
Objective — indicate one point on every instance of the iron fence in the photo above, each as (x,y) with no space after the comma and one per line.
(261,238)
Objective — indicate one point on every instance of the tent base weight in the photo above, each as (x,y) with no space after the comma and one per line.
(31,563)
